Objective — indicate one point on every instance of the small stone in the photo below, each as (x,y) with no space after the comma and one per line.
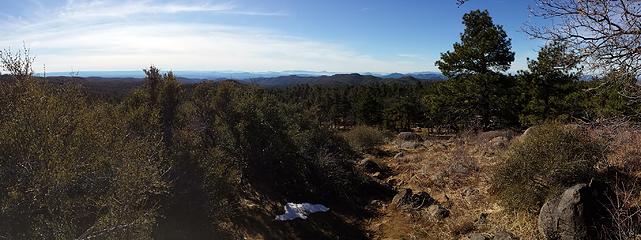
(438,212)
(401,197)
(392,181)
(481,220)
(421,199)
(376,203)
(443,199)
(503,235)
(470,195)
(477,236)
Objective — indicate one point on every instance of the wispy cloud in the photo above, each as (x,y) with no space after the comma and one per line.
(98,8)
(88,35)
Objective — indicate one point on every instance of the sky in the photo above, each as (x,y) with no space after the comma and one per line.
(249,35)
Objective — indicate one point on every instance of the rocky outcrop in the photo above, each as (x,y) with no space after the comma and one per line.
(563,217)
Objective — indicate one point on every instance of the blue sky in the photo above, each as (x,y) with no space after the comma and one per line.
(249,35)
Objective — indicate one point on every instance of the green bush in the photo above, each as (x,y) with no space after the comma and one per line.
(364,137)
(69,171)
(542,163)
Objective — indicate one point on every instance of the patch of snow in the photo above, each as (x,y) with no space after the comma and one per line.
(300,210)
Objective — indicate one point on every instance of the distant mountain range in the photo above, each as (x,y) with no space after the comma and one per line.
(236,75)
(334,80)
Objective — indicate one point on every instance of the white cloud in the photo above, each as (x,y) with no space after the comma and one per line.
(85,36)
(98,8)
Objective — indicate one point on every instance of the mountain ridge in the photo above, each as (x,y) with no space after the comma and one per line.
(240,75)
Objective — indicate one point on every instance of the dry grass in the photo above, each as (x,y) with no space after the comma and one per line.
(456,173)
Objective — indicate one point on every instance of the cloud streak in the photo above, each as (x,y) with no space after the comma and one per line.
(97,9)
(88,35)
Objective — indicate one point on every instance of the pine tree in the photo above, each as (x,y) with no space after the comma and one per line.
(548,83)
(476,83)
(484,48)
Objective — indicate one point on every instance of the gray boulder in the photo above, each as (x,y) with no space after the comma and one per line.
(409,136)
(410,145)
(563,217)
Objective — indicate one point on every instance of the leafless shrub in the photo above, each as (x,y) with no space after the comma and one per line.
(624,212)
(364,137)
(17,63)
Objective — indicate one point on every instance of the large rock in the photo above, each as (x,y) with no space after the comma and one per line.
(563,217)
(370,166)
(410,145)
(405,197)
(409,136)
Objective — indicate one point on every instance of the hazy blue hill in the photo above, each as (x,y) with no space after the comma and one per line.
(240,75)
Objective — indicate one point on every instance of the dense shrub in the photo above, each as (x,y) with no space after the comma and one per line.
(548,159)
(69,170)
(364,137)
(262,142)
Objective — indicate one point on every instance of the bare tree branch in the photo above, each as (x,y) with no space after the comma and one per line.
(17,63)
(605,33)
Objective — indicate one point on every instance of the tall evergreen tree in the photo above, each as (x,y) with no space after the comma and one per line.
(169,102)
(548,83)
(153,81)
(477,85)
(484,48)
